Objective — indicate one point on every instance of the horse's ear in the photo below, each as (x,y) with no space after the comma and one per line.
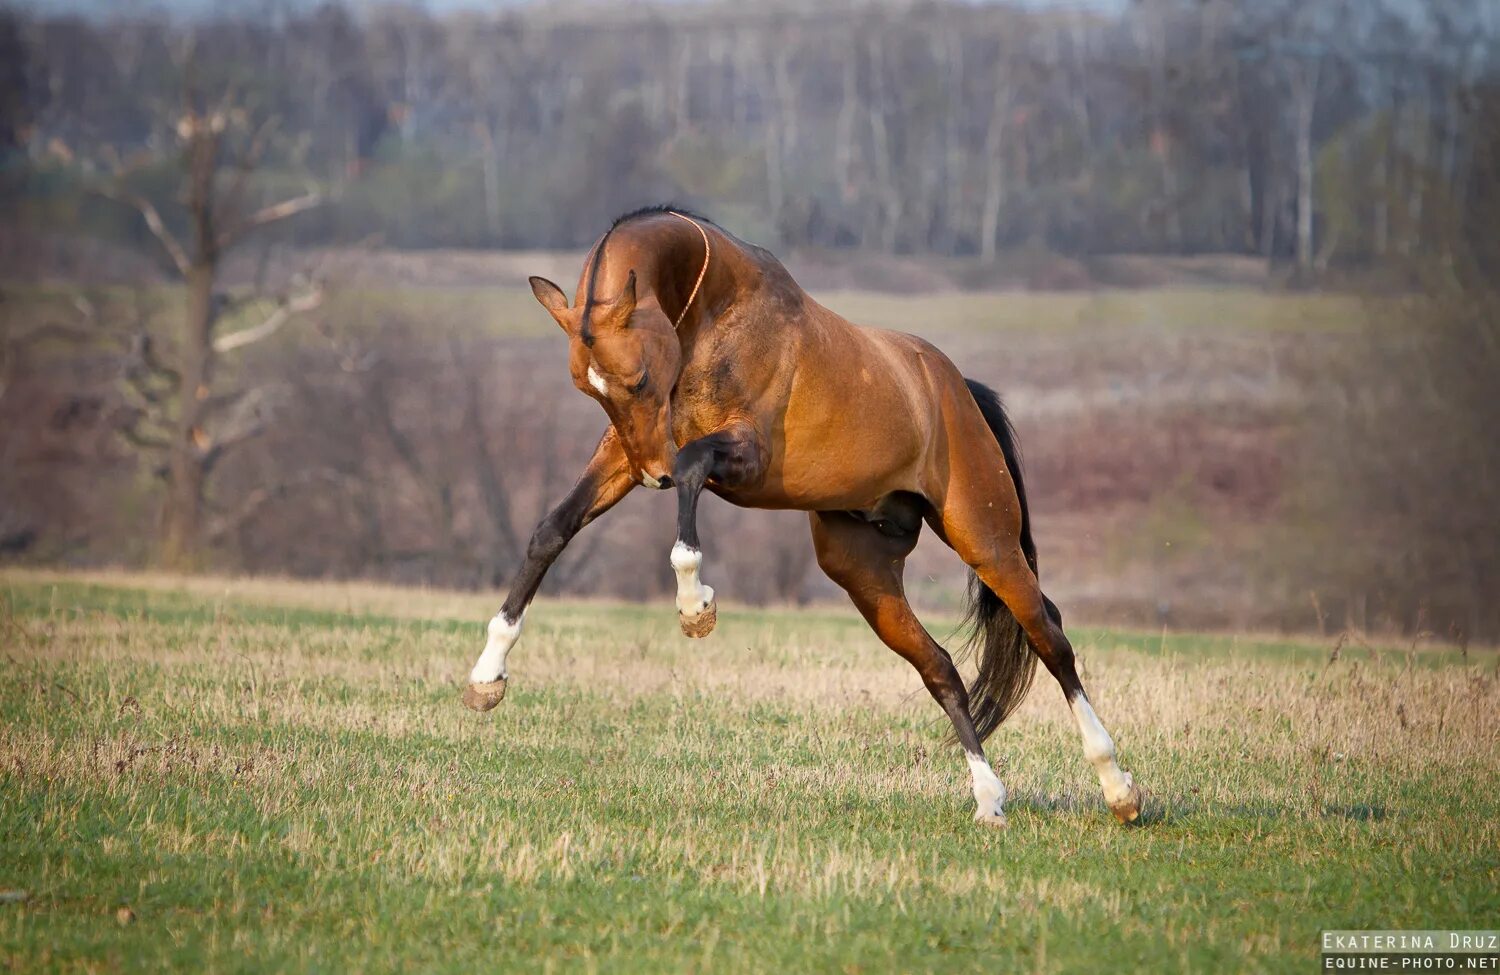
(617,310)
(626,298)
(550,295)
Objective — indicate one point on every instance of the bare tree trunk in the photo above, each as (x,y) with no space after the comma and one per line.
(1270,201)
(491,159)
(994,172)
(1382,189)
(1247,204)
(410,89)
(1417,193)
(954,155)
(780,133)
(844,130)
(1152,40)
(182,510)
(886,179)
(182,507)
(1304,88)
(681,94)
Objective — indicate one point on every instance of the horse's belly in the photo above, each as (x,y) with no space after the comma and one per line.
(848,473)
(851,458)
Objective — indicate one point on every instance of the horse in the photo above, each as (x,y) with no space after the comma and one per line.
(717,371)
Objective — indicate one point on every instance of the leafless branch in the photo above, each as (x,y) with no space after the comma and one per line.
(52,330)
(250,417)
(286,309)
(255,149)
(139,386)
(255,501)
(154,223)
(143,347)
(135,436)
(271,214)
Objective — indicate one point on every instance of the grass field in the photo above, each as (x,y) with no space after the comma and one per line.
(217,775)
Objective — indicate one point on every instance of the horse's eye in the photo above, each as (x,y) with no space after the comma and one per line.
(639,384)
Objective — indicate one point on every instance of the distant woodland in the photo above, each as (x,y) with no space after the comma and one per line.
(1312,132)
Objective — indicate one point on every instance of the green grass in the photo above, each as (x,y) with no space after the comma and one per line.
(276,775)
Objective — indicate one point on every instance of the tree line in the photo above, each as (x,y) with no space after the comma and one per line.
(1312,132)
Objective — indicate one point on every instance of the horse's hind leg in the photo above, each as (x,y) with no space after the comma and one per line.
(996,557)
(867,563)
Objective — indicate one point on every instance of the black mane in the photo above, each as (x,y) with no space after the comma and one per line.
(655,209)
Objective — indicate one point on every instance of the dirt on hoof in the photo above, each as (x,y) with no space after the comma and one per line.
(701,625)
(997,821)
(483,697)
(1129,808)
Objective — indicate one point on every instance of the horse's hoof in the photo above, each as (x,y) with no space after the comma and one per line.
(1127,810)
(483,697)
(701,624)
(996,820)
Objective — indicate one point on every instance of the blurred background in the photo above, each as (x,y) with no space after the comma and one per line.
(1232,263)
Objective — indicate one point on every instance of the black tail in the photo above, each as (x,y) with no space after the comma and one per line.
(1006,663)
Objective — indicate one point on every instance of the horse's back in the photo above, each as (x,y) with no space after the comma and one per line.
(865,400)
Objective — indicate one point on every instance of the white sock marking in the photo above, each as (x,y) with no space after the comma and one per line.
(693,596)
(491,663)
(597,381)
(650,481)
(1099,749)
(989,793)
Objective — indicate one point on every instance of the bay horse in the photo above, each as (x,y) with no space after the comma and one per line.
(718,371)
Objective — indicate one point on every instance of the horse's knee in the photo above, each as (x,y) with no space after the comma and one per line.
(743,463)
(548,541)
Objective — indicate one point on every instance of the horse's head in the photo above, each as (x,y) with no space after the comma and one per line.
(627,357)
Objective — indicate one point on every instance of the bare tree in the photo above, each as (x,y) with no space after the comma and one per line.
(181,410)
(1302,82)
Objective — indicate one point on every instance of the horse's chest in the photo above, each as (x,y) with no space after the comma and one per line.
(702,407)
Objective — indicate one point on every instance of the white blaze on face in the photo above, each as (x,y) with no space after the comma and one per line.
(491,663)
(597,381)
(1099,749)
(989,793)
(693,596)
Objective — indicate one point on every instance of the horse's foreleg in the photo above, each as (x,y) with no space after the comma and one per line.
(605,481)
(731,456)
